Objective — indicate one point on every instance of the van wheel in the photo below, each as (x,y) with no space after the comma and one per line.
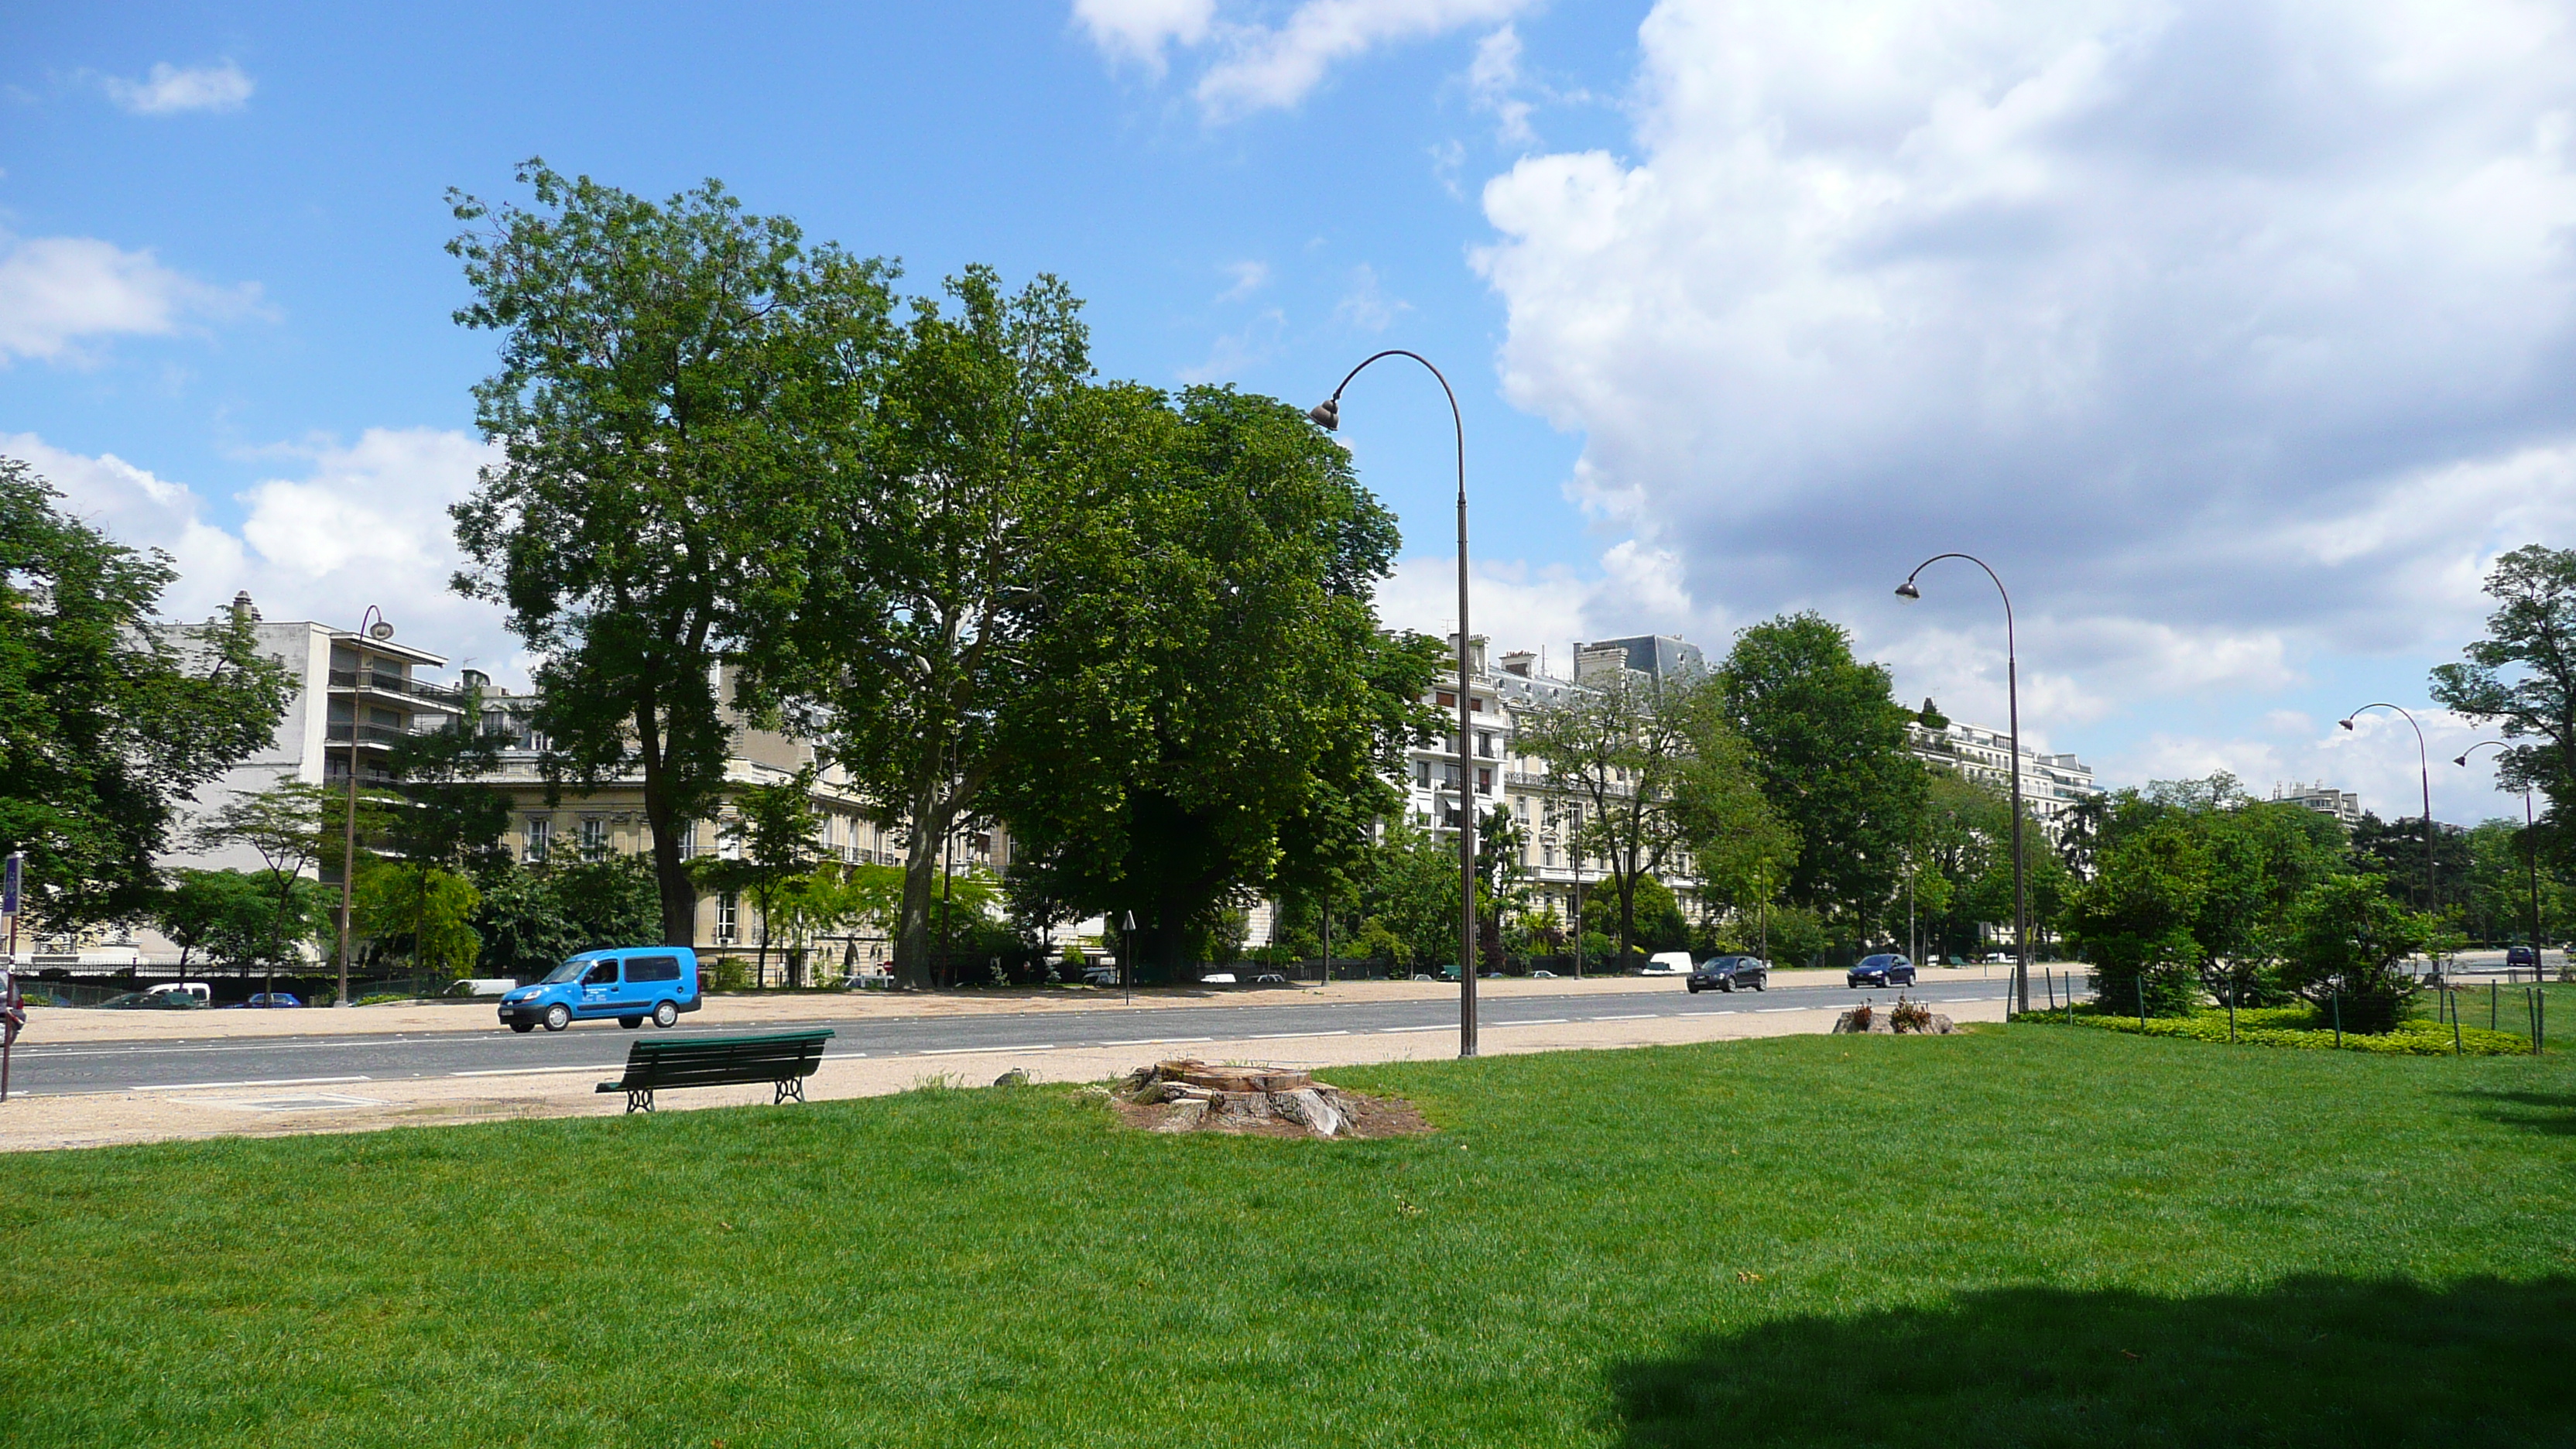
(558,1016)
(523,1027)
(630,1022)
(667,1015)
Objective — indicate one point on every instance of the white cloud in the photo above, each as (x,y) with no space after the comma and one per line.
(1364,305)
(1493,81)
(2228,332)
(1259,66)
(365,523)
(169,90)
(56,291)
(1249,277)
(2377,759)
(1140,30)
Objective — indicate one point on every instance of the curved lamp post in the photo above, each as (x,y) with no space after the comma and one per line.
(349,824)
(2530,852)
(2423,764)
(2012,697)
(1328,414)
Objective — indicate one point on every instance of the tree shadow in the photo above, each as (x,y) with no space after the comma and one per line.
(2313,1360)
(2556,1117)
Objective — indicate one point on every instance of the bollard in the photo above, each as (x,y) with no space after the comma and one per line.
(2336,997)
(2231,1013)
(2455,1026)
(2491,1006)
(2142,1002)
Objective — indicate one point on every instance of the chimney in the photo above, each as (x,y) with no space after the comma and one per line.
(1519,662)
(243,608)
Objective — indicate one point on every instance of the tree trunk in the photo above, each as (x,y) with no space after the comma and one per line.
(670,867)
(921,863)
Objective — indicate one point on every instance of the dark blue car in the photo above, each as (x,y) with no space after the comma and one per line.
(1725,973)
(1884,969)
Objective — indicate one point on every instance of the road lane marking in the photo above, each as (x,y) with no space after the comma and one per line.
(538,1071)
(1158,1041)
(1540,1021)
(984,1051)
(1632,1016)
(1292,1035)
(1392,1030)
(267,1082)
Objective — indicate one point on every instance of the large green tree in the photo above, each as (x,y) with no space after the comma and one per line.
(2522,676)
(109,717)
(1828,744)
(1220,712)
(286,826)
(674,386)
(952,489)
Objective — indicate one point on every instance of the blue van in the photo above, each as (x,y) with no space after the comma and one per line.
(629,983)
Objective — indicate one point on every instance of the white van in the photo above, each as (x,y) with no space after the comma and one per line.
(1668,963)
(205,994)
(484,986)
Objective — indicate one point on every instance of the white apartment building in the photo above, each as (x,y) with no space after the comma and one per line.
(2325,799)
(1440,780)
(2051,785)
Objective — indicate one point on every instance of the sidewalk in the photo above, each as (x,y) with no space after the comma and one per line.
(105,1118)
(53,1024)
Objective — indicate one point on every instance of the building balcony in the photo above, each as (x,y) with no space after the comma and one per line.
(338,732)
(370,681)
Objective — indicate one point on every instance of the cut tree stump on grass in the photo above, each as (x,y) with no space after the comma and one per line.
(1192,1096)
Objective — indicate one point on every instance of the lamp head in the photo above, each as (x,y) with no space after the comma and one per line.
(1328,413)
(2462,760)
(380,631)
(2346,723)
(1908,592)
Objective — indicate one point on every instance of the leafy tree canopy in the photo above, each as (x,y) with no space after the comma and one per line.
(675,379)
(1828,743)
(2522,675)
(108,716)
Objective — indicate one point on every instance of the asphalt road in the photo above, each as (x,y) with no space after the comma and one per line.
(601,1046)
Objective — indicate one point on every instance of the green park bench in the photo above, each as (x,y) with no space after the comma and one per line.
(782,1059)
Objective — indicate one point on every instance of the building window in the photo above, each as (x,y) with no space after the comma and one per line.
(725,919)
(688,840)
(594,837)
(1485,743)
(1484,783)
(1447,700)
(1422,773)
(540,835)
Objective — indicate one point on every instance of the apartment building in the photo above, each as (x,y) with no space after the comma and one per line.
(2051,785)
(2325,799)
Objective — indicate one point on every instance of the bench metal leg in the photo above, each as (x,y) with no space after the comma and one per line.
(640,1101)
(790,1087)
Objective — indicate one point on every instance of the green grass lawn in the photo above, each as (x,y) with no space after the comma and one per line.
(2016,1236)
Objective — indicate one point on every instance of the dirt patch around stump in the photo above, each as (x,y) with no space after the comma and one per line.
(1193,1096)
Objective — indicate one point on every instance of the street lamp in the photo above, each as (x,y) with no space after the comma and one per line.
(2012,698)
(379,630)
(1328,415)
(2424,766)
(2530,851)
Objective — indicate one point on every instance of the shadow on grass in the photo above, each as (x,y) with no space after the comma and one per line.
(2324,1361)
(2557,1115)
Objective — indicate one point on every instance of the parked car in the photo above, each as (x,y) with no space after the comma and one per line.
(271,1000)
(1542,976)
(1725,973)
(629,983)
(154,1000)
(1099,975)
(1884,969)
(484,986)
(1667,963)
(2518,956)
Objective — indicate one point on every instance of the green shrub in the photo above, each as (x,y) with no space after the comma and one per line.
(2301,1027)
(728,974)
(2345,939)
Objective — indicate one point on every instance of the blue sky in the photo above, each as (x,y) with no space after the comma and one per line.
(2240,342)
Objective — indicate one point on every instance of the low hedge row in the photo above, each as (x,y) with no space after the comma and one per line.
(2299,1028)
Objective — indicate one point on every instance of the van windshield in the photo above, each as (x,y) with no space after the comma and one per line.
(568,971)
